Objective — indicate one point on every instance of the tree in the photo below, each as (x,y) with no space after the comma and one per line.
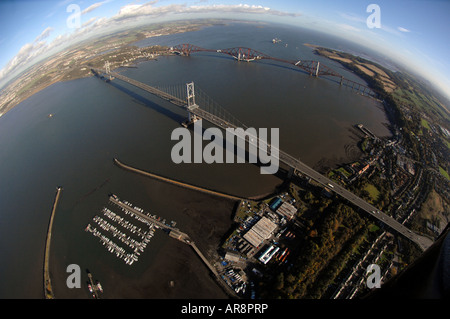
(309,197)
(313,233)
(279,284)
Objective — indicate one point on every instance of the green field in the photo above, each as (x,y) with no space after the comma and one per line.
(425,103)
(344,171)
(373,191)
(425,124)
(447,143)
(444,173)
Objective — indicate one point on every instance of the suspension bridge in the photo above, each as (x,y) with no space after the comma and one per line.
(199,106)
(314,68)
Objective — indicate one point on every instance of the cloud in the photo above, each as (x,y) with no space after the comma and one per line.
(363,21)
(240,8)
(148,9)
(128,15)
(352,17)
(403,29)
(90,21)
(26,53)
(348,27)
(44,34)
(93,7)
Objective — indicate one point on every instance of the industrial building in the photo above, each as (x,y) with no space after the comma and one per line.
(261,231)
(268,254)
(287,210)
(231,256)
(275,204)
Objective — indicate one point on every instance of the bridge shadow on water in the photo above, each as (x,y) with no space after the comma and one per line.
(282,172)
(141,100)
(180,118)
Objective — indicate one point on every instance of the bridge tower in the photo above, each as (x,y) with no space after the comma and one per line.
(317,69)
(191,105)
(108,70)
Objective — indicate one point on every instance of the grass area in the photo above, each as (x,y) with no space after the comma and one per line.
(423,102)
(364,144)
(343,171)
(243,211)
(447,143)
(425,124)
(444,173)
(373,228)
(373,191)
(432,207)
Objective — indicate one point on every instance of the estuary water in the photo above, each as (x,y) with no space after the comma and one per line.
(94,121)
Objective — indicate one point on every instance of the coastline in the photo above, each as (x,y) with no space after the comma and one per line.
(127,48)
(40,88)
(62,66)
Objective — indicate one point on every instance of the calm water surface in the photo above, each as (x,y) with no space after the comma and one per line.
(95,121)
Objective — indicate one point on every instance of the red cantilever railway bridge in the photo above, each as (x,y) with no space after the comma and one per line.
(247,54)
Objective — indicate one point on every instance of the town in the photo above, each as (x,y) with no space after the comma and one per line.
(304,241)
(77,60)
(265,251)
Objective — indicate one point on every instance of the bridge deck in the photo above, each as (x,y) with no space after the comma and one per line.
(290,161)
(309,66)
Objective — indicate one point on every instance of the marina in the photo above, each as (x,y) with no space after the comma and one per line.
(155,221)
(125,234)
(94,287)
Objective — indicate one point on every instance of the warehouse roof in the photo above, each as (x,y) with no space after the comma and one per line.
(262,230)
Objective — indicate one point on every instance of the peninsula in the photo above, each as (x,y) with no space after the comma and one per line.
(76,61)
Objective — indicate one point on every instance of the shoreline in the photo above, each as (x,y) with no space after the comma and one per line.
(60,80)
(58,67)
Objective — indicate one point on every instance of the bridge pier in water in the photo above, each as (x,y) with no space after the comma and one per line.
(292,172)
(225,120)
(191,105)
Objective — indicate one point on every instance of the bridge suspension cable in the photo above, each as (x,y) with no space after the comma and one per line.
(220,117)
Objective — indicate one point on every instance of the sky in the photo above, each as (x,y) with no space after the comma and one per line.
(413,33)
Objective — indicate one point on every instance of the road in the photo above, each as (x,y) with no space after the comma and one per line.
(287,159)
(422,242)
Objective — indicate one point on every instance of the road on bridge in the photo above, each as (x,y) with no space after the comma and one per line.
(421,241)
(290,161)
